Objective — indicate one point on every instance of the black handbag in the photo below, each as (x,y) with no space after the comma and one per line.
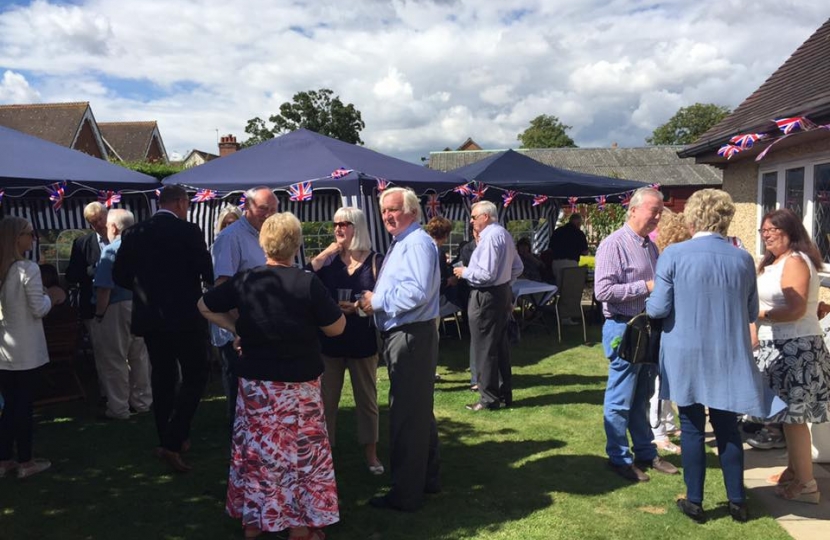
(640,342)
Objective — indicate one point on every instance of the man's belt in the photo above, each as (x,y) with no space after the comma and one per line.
(491,288)
(405,327)
(620,318)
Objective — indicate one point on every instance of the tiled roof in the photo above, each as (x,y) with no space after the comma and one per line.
(653,164)
(54,122)
(800,87)
(129,140)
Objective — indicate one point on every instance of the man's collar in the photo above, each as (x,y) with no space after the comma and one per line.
(643,240)
(413,226)
(247,225)
(166,211)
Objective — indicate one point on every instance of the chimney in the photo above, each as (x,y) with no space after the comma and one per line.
(227,145)
(613,145)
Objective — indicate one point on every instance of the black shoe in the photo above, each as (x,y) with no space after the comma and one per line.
(382,502)
(693,511)
(658,464)
(738,512)
(629,472)
(507,399)
(432,489)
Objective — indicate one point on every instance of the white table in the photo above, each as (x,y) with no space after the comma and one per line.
(533,295)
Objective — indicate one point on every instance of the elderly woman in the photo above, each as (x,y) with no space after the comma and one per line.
(23,304)
(228,215)
(281,472)
(792,354)
(705,290)
(349,265)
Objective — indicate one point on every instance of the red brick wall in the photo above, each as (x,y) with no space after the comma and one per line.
(86,141)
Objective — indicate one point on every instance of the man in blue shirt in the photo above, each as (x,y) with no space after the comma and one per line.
(495,264)
(237,249)
(405,306)
(120,358)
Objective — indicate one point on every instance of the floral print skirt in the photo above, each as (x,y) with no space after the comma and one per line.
(281,472)
(798,370)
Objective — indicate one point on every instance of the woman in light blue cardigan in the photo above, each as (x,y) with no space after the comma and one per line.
(705,290)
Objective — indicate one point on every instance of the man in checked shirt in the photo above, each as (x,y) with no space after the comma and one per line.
(623,279)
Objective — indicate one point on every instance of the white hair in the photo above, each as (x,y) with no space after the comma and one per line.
(486,207)
(411,202)
(121,218)
(640,195)
(361,241)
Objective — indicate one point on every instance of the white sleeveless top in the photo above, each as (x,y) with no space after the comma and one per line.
(771,296)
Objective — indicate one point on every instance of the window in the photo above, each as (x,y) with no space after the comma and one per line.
(769,192)
(794,187)
(821,209)
(55,246)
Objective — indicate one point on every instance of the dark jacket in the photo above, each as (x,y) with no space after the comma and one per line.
(85,253)
(165,262)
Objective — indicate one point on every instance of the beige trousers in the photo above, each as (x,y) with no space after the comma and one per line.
(121,361)
(363,374)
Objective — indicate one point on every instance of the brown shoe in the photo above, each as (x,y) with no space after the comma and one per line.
(629,472)
(174,459)
(658,464)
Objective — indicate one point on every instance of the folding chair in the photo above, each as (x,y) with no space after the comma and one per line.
(448,310)
(569,298)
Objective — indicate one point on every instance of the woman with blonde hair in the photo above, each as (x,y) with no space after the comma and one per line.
(281,474)
(792,353)
(226,216)
(705,292)
(348,267)
(23,304)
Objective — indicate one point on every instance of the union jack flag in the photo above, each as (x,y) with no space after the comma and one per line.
(2,192)
(478,191)
(600,203)
(626,199)
(56,194)
(301,191)
(539,199)
(464,191)
(340,173)
(728,150)
(572,201)
(508,197)
(241,203)
(655,185)
(204,195)
(383,183)
(433,206)
(795,123)
(158,193)
(109,197)
(746,140)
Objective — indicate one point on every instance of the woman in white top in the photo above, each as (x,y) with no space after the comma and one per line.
(792,354)
(23,304)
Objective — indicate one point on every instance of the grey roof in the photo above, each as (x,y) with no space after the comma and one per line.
(652,164)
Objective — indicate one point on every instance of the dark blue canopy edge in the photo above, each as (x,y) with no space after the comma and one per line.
(304,155)
(27,162)
(510,170)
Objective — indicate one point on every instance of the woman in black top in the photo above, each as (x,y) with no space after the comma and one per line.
(349,265)
(281,473)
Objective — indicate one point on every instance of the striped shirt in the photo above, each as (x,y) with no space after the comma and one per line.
(625,261)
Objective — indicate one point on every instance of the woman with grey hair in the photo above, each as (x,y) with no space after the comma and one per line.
(281,474)
(347,268)
(705,292)
(226,216)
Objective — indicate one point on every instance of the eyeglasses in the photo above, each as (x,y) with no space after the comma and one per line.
(768,230)
(342,224)
(473,218)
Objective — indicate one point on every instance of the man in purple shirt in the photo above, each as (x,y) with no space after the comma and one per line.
(495,264)
(623,279)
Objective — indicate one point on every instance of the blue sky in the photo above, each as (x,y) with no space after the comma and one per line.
(426,74)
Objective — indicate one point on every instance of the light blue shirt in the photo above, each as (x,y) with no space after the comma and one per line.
(495,260)
(237,249)
(103,274)
(408,285)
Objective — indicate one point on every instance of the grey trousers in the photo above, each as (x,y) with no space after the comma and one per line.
(489,310)
(411,353)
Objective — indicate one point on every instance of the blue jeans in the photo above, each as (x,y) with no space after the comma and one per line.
(625,409)
(730,451)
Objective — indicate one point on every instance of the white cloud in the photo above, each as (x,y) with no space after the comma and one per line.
(14,88)
(425,74)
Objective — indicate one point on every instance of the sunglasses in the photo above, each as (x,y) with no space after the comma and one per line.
(342,224)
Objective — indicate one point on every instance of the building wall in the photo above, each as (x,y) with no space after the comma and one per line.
(87,143)
(154,154)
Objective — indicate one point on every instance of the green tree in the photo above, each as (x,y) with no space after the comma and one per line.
(546,131)
(314,110)
(688,124)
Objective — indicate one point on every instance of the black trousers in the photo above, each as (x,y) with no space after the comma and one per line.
(411,353)
(489,310)
(17,420)
(174,408)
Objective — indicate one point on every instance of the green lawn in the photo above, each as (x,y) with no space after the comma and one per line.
(536,471)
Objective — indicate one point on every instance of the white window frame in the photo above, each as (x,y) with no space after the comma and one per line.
(809,164)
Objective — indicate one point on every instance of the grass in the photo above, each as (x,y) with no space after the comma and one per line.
(536,471)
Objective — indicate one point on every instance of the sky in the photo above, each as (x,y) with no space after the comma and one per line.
(425,74)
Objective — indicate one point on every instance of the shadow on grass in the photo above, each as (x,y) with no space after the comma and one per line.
(488,482)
